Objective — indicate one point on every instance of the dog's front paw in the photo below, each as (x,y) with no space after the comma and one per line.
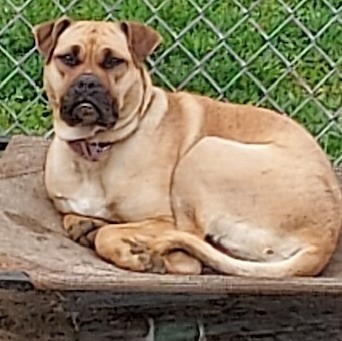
(147,259)
(82,230)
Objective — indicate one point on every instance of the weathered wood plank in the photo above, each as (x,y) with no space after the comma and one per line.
(33,243)
(65,316)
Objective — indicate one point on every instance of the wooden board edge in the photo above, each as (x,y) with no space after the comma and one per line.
(172,284)
(15,280)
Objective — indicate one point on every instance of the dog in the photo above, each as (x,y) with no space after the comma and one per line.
(173,182)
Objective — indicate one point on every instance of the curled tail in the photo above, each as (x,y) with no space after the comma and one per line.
(308,261)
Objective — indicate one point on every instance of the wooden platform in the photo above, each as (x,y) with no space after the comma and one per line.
(44,274)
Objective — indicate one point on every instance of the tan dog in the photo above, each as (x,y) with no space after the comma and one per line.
(177,180)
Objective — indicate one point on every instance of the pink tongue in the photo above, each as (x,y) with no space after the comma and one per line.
(90,151)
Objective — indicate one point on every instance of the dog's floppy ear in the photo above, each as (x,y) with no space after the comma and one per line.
(47,33)
(142,39)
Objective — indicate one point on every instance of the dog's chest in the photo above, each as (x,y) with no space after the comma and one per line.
(117,193)
(132,184)
(89,200)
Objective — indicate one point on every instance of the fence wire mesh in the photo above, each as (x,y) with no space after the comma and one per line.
(286,55)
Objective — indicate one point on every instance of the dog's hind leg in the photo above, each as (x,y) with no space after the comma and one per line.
(129,246)
(270,215)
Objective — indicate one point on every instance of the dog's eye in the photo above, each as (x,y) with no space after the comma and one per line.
(69,59)
(111,62)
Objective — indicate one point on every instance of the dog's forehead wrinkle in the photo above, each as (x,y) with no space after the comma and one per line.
(115,38)
(96,36)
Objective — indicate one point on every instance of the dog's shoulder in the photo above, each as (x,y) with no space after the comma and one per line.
(183,102)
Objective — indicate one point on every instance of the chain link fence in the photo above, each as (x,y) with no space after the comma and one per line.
(286,55)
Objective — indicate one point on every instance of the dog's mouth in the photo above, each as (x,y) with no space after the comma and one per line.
(85,112)
(91,151)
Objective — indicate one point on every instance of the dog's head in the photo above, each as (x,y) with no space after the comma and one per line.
(93,73)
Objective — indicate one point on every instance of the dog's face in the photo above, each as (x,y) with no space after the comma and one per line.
(93,73)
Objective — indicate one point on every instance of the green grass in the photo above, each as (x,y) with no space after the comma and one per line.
(18,103)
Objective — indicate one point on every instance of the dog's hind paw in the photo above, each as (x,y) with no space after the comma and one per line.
(149,260)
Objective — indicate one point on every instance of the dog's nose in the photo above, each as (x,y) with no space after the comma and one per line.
(87,82)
